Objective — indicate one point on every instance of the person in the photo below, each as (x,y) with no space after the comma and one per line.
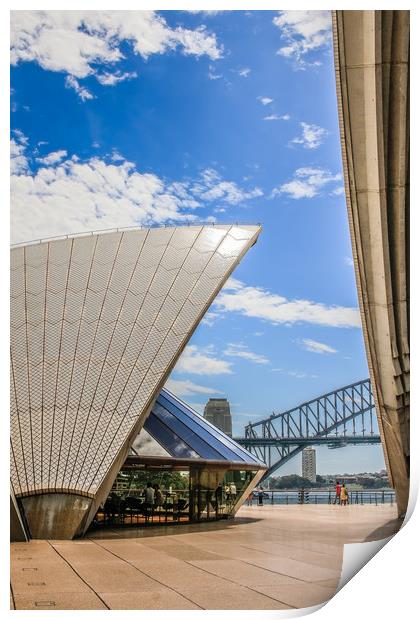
(219,495)
(337,492)
(250,498)
(260,497)
(344,496)
(158,496)
(149,497)
(233,492)
(227,493)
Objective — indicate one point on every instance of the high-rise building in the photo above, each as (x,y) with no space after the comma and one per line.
(309,464)
(217,411)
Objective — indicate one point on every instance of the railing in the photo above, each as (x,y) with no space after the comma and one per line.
(365,497)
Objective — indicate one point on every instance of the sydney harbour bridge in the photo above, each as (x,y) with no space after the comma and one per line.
(343,417)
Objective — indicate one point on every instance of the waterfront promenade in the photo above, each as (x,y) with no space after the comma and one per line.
(270,557)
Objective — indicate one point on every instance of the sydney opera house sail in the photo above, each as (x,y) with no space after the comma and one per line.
(97,323)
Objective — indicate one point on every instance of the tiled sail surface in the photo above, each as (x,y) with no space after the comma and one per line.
(97,322)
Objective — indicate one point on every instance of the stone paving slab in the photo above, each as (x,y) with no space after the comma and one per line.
(296,596)
(160,599)
(59,600)
(180,575)
(115,576)
(242,573)
(298,569)
(274,557)
(231,597)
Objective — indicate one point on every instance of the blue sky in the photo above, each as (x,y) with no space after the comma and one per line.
(124,118)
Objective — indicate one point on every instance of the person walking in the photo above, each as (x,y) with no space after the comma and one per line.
(337,498)
(260,497)
(344,496)
(149,499)
(158,498)
(227,493)
(219,498)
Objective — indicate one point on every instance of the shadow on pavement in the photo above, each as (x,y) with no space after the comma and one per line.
(388,529)
(162,530)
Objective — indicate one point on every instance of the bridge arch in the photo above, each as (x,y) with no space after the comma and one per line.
(338,418)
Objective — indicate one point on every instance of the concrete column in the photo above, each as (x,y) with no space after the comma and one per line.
(371,51)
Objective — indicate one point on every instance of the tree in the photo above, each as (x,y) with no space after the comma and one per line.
(292,481)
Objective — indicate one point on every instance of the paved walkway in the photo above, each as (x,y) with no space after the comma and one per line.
(270,557)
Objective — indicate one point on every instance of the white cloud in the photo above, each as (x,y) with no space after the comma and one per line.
(197,42)
(21,138)
(212,75)
(74,196)
(81,43)
(52,158)
(83,93)
(307,183)
(210,318)
(276,117)
(259,303)
(209,13)
(312,136)
(188,388)
(349,261)
(303,32)
(65,195)
(295,373)
(212,187)
(110,79)
(201,362)
(18,161)
(338,191)
(265,100)
(316,347)
(116,156)
(241,350)
(197,407)
(244,72)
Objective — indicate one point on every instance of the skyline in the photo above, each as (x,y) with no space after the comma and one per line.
(185,116)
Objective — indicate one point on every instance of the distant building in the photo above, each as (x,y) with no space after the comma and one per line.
(309,464)
(217,411)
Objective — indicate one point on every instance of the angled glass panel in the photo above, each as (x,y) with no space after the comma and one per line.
(202,446)
(190,417)
(170,441)
(146,445)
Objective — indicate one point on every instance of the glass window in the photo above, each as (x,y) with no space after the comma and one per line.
(189,434)
(168,439)
(210,432)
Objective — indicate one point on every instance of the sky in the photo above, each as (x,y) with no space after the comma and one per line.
(151,118)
